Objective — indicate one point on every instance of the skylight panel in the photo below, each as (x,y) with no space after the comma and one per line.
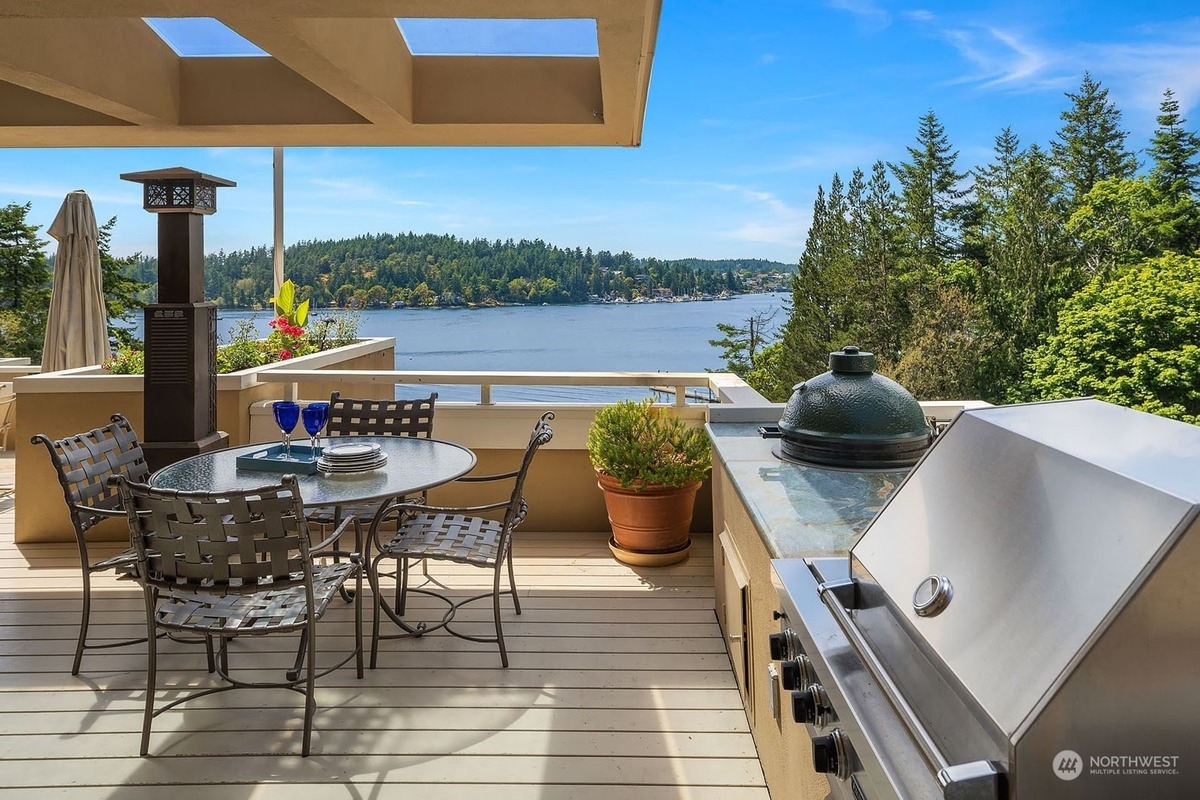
(202,37)
(500,37)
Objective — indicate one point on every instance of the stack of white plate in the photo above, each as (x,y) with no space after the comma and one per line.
(349,458)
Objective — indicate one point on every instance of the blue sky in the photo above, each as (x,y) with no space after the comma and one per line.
(752,105)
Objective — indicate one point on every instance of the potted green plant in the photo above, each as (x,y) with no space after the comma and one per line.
(649,465)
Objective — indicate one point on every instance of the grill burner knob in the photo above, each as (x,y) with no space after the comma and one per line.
(796,674)
(778,644)
(829,755)
(810,706)
(781,644)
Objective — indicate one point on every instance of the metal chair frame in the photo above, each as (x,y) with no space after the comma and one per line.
(84,463)
(350,416)
(239,563)
(459,534)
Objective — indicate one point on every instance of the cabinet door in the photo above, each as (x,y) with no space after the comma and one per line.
(735,604)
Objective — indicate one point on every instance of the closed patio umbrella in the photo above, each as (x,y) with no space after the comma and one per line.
(77,325)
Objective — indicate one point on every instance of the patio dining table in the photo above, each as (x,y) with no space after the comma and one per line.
(413,465)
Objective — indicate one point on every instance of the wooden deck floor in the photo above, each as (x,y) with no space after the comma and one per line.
(618,688)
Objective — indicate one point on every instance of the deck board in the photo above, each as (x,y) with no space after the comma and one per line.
(619,686)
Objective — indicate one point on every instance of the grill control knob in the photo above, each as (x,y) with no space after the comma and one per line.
(796,674)
(825,758)
(811,706)
(831,754)
(779,646)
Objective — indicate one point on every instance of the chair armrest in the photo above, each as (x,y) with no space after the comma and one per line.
(421,508)
(321,548)
(100,512)
(499,476)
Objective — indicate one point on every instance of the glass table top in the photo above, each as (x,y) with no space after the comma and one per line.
(414,464)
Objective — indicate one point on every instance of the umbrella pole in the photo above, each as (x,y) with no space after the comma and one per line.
(278,168)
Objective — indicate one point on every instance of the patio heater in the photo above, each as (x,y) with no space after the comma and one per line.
(179,397)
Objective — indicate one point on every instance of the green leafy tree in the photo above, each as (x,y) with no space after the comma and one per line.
(1124,221)
(1134,341)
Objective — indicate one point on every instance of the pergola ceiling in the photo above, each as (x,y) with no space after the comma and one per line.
(93,73)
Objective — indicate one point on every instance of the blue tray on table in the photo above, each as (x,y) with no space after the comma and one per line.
(303,460)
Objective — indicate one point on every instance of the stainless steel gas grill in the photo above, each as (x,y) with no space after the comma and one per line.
(1020,620)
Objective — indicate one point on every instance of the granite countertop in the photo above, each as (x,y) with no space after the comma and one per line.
(799,510)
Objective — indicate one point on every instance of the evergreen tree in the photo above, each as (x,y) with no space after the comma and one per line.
(805,339)
(1090,146)
(123,292)
(24,272)
(879,317)
(1175,174)
(24,285)
(1028,272)
(1175,171)
(931,193)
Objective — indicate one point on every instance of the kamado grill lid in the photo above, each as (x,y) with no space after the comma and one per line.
(853,417)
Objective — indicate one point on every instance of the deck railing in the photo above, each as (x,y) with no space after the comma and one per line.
(675,382)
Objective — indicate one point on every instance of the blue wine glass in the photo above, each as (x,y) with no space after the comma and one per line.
(287,414)
(314,415)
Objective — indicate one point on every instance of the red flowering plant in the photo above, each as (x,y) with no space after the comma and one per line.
(289,338)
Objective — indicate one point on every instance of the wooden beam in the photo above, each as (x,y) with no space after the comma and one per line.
(116,67)
(365,63)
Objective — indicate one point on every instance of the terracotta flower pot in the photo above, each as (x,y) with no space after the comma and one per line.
(650,527)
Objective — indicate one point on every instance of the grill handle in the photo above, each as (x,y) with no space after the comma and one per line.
(838,595)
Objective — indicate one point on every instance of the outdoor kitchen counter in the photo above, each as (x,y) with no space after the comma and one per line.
(765,508)
(798,510)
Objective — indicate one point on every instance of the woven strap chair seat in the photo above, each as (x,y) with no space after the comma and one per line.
(454,537)
(273,610)
(331,515)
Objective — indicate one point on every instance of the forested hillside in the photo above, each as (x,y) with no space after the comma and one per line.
(1050,272)
(439,270)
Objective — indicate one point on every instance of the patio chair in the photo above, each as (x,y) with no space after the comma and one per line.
(458,534)
(353,417)
(84,463)
(227,564)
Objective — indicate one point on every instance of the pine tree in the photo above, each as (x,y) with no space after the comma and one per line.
(24,285)
(931,192)
(123,292)
(804,343)
(1090,146)
(1176,171)
(1028,272)
(879,316)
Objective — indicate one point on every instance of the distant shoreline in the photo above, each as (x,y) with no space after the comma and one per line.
(478,306)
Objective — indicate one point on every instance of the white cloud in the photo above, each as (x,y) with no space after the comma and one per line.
(866,10)
(60,191)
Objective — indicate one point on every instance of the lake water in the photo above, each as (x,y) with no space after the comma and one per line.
(626,337)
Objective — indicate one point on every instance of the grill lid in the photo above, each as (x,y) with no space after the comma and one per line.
(1043,559)
(853,417)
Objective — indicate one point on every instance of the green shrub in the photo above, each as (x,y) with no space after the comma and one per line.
(126,361)
(642,445)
